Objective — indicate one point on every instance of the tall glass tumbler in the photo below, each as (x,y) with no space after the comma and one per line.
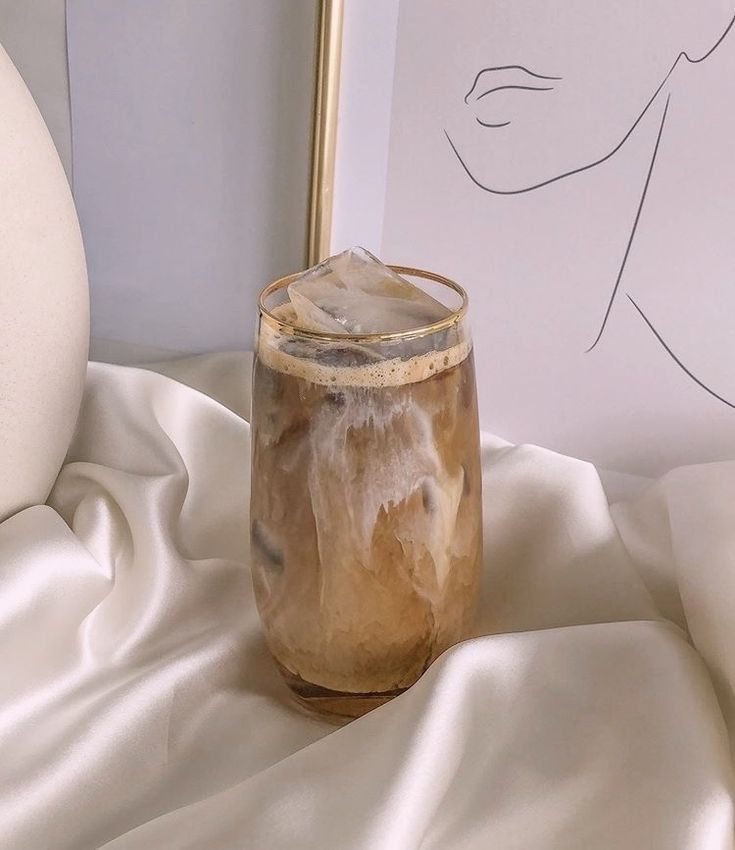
(366,530)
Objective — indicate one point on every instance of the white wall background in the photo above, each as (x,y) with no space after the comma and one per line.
(190,146)
(365,97)
(33,32)
(190,125)
(541,266)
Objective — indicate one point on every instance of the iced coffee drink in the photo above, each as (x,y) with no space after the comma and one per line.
(366,493)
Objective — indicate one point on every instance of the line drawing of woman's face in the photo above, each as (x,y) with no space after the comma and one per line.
(553,88)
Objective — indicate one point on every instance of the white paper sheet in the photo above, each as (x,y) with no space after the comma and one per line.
(607,101)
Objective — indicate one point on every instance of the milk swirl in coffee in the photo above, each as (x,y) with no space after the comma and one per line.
(365,509)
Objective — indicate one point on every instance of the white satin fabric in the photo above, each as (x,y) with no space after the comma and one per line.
(139,709)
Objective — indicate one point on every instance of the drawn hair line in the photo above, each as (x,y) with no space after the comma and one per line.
(675,358)
(637,219)
(603,325)
(683,55)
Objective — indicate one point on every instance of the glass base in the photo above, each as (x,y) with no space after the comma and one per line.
(335,706)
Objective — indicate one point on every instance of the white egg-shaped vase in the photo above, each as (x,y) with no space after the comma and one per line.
(44,302)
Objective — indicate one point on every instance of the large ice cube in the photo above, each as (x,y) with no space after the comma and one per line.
(354,293)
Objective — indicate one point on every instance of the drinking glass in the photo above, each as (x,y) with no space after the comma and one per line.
(366,531)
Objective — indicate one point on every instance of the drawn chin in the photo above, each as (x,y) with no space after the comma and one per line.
(534,150)
(505,167)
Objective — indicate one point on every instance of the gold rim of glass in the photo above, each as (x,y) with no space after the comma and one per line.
(410,333)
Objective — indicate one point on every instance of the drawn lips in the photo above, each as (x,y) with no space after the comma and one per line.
(505,78)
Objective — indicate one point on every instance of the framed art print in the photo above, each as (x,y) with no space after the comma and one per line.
(571,165)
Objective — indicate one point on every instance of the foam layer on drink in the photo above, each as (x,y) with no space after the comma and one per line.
(378,371)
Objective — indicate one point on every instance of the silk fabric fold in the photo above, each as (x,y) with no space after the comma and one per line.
(139,708)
